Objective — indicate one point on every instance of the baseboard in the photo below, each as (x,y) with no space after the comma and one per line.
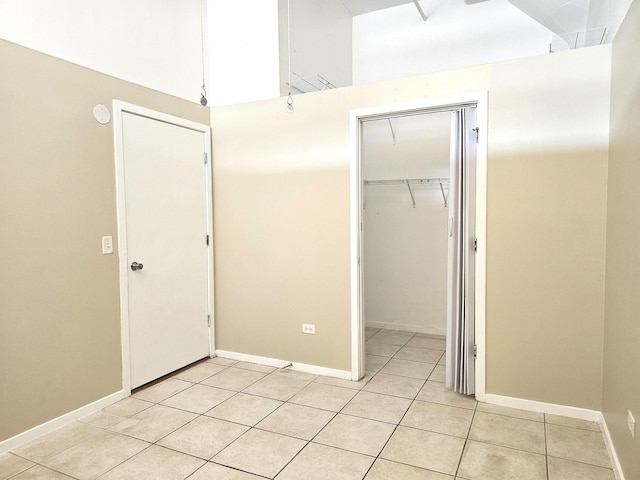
(60,421)
(613,455)
(405,327)
(565,411)
(542,407)
(274,362)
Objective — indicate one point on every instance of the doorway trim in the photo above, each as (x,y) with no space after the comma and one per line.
(480,99)
(119,108)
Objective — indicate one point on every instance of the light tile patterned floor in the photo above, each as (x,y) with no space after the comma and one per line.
(227,420)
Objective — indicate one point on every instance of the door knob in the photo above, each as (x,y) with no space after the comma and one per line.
(136,266)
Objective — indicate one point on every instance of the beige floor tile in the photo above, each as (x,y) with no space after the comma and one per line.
(41,473)
(510,412)
(296,421)
(127,407)
(428,450)
(578,445)
(154,423)
(443,359)
(56,441)
(439,418)
(235,379)
(213,471)
(508,432)
(227,362)
(277,387)
(392,337)
(259,452)
(155,463)
(339,382)
(376,406)
(244,409)
(288,372)
(482,461)
(431,335)
(370,332)
(355,434)
(11,464)
(199,372)
(561,469)
(427,342)
(198,398)
(572,422)
(102,419)
(323,396)
(381,349)
(438,374)
(386,470)
(95,455)
(419,355)
(162,390)
(256,367)
(203,437)
(407,368)
(319,462)
(394,385)
(436,392)
(373,363)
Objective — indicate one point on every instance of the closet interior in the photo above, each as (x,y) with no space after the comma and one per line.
(405,163)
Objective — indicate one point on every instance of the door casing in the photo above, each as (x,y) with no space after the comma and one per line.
(480,99)
(119,108)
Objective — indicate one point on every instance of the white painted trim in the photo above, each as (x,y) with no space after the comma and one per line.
(613,455)
(120,107)
(405,327)
(59,422)
(481,99)
(274,362)
(543,407)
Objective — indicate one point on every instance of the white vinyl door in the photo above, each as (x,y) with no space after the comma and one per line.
(166,246)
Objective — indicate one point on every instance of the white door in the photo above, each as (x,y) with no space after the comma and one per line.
(165,196)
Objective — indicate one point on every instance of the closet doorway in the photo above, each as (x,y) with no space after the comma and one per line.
(418,218)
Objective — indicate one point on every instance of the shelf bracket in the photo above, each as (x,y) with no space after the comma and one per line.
(420,10)
(444,197)
(393,132)
(413,200)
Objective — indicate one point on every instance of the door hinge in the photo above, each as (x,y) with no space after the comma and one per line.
(475,351)
(207,240)
(475,244)
(477,130)
(205,157)
(208,320)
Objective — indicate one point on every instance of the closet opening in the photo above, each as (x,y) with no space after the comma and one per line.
(418,217)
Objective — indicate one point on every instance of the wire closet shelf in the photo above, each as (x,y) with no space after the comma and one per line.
(441,182)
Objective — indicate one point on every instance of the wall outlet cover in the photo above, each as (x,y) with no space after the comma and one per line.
(308,328)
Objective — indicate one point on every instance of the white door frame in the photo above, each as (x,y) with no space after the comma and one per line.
(119,108)
(481,100)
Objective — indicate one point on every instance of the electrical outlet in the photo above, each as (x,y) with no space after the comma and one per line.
(107,245)
(631,423)
(308,328)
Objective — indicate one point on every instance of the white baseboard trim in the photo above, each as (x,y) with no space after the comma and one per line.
(613,455)
(60,421)
(274,362)
(565,411)
(542,407)
(404,327)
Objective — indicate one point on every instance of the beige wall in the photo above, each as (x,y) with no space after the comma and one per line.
(281,208)
(622,302)
(59,299)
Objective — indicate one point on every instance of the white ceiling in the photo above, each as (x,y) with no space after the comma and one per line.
(359,7)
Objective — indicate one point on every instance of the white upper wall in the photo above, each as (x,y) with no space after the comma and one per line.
(155,43)
(243,51)
(320,42)
(396,42)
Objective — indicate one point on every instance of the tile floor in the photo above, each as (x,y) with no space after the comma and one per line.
(227,420)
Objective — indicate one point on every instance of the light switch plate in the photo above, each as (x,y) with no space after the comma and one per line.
(107,245)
